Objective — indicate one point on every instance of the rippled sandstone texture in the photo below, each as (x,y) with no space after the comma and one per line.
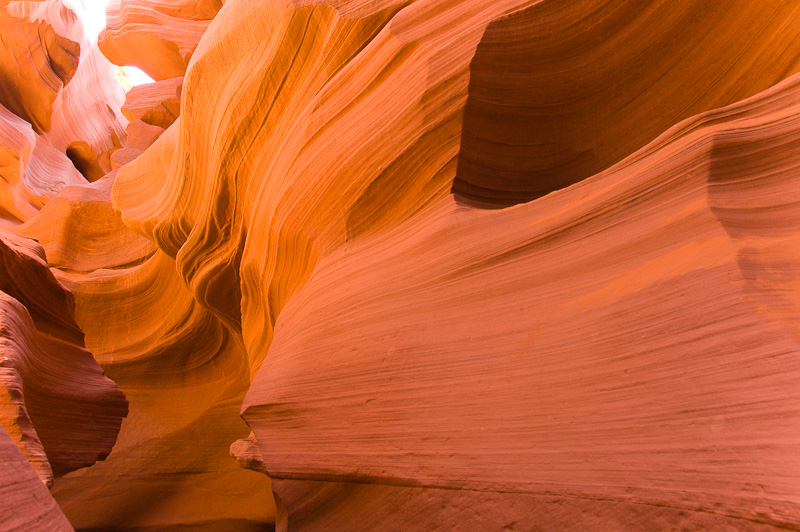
(56,405)
(460,265)
(157,36)
(182,373)
(617,351)
(58,412)
(60,116)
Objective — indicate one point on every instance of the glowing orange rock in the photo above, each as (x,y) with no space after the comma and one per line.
(158,36)
(185,376)
(158,103)
(461,265)
(550,357)
(139,136)
(35,63)
(86,122)
(399,336)
(83,121)
(30,170)
(81,232)
(600,80)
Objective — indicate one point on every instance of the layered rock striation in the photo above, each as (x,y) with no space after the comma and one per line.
(484,265)
(26,505)
(57,405)
(605,347)
(157,36)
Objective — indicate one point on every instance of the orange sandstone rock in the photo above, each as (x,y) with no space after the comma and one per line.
(185,376)
(601,79)
(247,454)
(35,63)
(86,122)
(460,265)
(31,170)
(598,343)
(156,103)
(158,36)
(630,339)
(139,136)
(81,232)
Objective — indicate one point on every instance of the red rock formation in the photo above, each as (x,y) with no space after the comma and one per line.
(80,232)
(56,403)
(25,505)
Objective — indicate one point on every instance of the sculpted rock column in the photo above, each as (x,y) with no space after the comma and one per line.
(55,401)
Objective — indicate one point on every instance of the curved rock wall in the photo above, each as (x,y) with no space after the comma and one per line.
(56,403)
(650,360)
(614,341)
(485,265)
(157,36)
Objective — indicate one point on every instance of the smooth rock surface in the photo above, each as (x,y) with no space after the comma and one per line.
(87,110)
(650,358)
(601,79)
(35,64)
(158,103)
(30,170)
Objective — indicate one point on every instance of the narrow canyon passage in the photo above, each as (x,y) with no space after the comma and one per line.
(399,265)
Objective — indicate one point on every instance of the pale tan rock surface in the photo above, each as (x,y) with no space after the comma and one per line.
(139,136)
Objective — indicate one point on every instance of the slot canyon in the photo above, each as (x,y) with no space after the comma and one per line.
(400,265)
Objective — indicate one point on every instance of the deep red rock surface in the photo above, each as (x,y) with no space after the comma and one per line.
(55,402)
(26,504)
